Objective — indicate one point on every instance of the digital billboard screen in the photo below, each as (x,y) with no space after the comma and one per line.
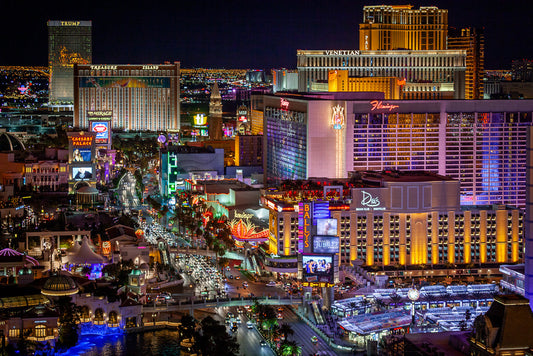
(325,244)
(102,131)
(80,173)
(81,155)
(317,268)
(326,227)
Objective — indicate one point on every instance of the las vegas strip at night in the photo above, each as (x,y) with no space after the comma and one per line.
(266,178)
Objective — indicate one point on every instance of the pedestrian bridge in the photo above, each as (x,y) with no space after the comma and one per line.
(216,303)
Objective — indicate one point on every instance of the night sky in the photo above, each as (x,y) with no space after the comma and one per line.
(239,33)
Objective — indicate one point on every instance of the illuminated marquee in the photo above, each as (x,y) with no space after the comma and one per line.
(380,105)
(200,120)
(337,117)
(70,23)
(100,113)
(304,227)
(151,67)
(81,141)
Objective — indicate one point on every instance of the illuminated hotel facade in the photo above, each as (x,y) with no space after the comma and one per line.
(69,43)
(427,74)
(138,97)
(398,218)
(387,27)
(482,144)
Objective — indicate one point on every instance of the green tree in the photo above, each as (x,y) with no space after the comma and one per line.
(290,348)
(214,340)
(69,318)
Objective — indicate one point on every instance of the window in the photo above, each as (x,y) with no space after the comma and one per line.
(40,331)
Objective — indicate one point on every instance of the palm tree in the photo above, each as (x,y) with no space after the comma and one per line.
(290,348)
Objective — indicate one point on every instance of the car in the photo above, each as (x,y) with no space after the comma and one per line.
(230,315)
(271,284)
(238,321)
(237,277)
(228,320)
(230,276)
(263,343)
(314,339)
(280,310)
(240,310)
(249,324)
(280,316)
(244,284)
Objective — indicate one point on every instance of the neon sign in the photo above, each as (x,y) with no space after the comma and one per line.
(369,200)
(82,140)
(337,117)
(200,120)
(284,104)
(304,227)
(379,105)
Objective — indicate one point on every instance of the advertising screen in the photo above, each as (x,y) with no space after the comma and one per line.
(81,155)
(102,131)
(325,244)
(80,173)
(317,268)
(326,227)
(124,82)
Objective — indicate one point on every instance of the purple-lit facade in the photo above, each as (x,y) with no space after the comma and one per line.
(528,240)
(480,143)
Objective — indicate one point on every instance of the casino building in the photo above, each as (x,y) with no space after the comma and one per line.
(137,97)
(429,74)
(482,144)
(392,218)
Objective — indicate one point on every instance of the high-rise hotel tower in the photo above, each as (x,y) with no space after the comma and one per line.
(132,97)
(69,43)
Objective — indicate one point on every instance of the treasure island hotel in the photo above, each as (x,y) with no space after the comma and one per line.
(135,97)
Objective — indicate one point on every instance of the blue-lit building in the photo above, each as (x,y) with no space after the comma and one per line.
(480,143)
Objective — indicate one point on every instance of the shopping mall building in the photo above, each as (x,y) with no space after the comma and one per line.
(480,143)
(390,218)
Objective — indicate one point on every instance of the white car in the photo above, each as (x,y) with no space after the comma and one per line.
(249,325)
(271,284)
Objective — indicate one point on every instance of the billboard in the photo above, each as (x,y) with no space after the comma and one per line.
(317,268)
(81,155)
(326,227)
(81,173)
(124,82)
(200,120)
(102,131)
(325,244)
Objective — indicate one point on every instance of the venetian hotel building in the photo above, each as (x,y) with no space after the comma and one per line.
(400,218)
(138,97)
(480,143)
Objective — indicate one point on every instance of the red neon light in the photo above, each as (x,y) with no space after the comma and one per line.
(284,104)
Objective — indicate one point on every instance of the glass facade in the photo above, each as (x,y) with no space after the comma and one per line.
(69,42)
(485,151)
(286,144)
